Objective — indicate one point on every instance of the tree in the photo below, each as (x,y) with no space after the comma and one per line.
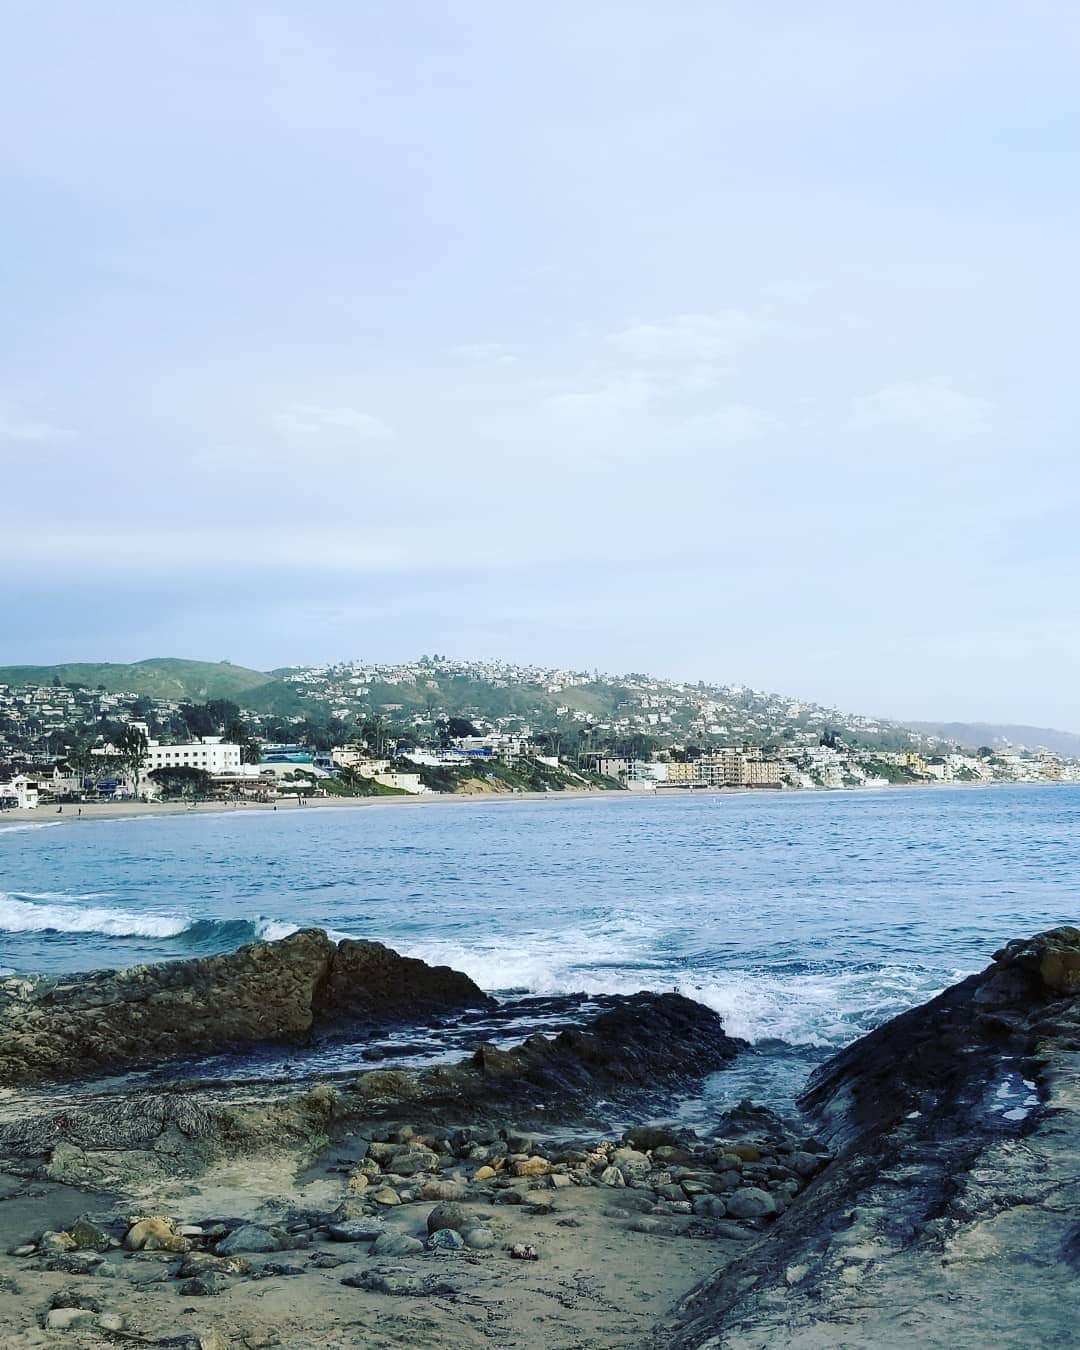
(250,748)
(182,780)
(460,726)
(131,746)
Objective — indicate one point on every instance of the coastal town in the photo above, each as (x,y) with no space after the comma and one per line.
(440,726)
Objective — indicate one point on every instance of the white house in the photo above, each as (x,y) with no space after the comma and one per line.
(19,792)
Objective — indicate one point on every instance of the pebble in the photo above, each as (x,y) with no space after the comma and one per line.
(357,1230)
(63,1319)
(90,1236)
(249,1237)
(386,1195)
(325,1261)
(155,1234)
(204,1286)
(531,1167)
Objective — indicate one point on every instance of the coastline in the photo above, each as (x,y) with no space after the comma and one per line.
(44,815)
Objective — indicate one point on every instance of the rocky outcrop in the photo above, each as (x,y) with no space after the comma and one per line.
(949,1216)
(368,982)
(265,993)
(635,1051)
(638,1045)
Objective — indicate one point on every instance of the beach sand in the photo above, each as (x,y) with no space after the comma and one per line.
(124,810)
(596,1283)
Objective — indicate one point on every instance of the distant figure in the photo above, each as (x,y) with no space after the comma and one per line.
(80,810)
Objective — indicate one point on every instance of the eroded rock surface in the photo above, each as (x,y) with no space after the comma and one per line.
(951,1214)
(268,992)
(636,1050)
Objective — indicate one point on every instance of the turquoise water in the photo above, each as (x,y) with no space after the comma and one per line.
(805,919)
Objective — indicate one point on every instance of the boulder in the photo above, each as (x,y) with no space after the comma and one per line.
(249,1237)
(751,1203)
(450,1215)
(155,1234)
(264,993)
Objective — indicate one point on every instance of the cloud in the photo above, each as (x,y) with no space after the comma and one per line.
(684,338)
(484,353)
(311,419)
(610,398)
(934,408)
(17,426)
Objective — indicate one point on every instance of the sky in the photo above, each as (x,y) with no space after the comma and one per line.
(730,340)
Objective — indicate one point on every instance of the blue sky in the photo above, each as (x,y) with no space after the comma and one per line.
(719,340)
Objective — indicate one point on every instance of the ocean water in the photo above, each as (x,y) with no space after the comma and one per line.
(804,919)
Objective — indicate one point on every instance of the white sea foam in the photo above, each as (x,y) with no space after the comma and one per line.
(273,930)
(818,1009)
(20,916)
(30,825)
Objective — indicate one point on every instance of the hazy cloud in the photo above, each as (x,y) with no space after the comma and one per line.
(933,408)
(311,419)
(697,337)
(19,426)
(484,353)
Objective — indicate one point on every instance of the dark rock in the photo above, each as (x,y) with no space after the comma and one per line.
(248,1238)
(366,981)
(954,1129)
(204,1286)
(90,1236)
(446,1240)
(450,1215)
(267,992)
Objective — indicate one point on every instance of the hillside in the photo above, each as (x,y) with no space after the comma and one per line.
(1000,736)
(160,677)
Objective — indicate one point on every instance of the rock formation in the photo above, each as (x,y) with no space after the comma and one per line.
(265,993)
(636,1050)
(951,1215)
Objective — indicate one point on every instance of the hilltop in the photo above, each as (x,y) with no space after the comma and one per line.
(576,710)
(1001,736)
(159,677)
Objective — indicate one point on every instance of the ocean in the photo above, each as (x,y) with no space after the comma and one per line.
(805,919)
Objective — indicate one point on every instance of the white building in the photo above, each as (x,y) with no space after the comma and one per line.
(18,791)
(212,754)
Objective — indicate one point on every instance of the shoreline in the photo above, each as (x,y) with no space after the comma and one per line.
(45,815)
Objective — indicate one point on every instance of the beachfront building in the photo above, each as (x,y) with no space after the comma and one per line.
(18,791)
(213,754)
(404,782)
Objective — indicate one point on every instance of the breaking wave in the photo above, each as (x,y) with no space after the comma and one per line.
(53,912)
(814,1006)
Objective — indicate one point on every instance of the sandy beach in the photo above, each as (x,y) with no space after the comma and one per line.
(123,810)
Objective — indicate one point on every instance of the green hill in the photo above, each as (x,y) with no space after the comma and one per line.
(161,677)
